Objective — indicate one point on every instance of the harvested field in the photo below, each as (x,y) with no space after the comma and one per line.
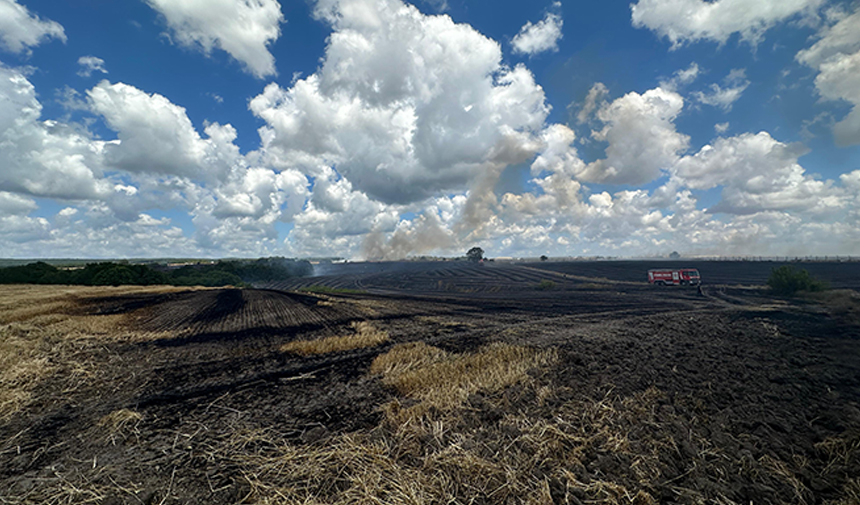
(489,278)
(436,277)
(446,384)
(837,274)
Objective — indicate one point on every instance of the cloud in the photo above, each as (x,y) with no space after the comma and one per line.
(242,28)
(90,64)
(399,144)
(841,38)
(539,37)
(12,204)
(44,158)
(20,30)
(840,79)
(404,105)
(235,205)
(144,120)
(641,135)
(681,78)
(261,193)
(725,96)
(693,20)
(757,173)
(836,56)
(338,217)
(596,95)
(241,215)
(95,235)
(22,229)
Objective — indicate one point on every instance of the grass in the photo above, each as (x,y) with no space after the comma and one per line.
(364,335)
(326,290)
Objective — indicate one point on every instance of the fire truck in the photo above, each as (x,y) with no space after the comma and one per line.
(674,277)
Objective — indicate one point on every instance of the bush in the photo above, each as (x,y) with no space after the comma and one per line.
(787,281)
(546,285)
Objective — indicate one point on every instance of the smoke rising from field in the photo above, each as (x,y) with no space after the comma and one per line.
(427,233)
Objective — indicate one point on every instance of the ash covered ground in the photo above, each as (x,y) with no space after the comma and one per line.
(639,395)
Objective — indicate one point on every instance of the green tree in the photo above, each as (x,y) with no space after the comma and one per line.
(475,254)
(115,275)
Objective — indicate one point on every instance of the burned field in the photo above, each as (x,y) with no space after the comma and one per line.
(441,384)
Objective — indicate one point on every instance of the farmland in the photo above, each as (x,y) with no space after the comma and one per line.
(422,277)
(434,383)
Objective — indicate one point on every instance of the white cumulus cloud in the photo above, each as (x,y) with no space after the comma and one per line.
(44,157)
(534,38)
(12,204)
(404,105)
(836,56)
(596,95)
(20,30)
(242,28)
(692,20)
(726,95)
(757,173)
(641,135)
(681,77)
(156,136)
(90,64)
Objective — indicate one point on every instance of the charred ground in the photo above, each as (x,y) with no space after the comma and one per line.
(642,395)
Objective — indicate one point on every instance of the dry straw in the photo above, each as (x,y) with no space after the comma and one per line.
(44,331)
(120,420)
(444,381)
(364,335)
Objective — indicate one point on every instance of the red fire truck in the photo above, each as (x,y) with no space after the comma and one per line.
(674,277)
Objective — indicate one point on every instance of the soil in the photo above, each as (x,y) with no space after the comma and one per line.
(742,380)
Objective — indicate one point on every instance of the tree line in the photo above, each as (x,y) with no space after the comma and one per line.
(221,273)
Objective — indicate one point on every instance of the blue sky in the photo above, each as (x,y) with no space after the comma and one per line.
(383,129)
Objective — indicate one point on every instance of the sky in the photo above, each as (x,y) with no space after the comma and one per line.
(380,129)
